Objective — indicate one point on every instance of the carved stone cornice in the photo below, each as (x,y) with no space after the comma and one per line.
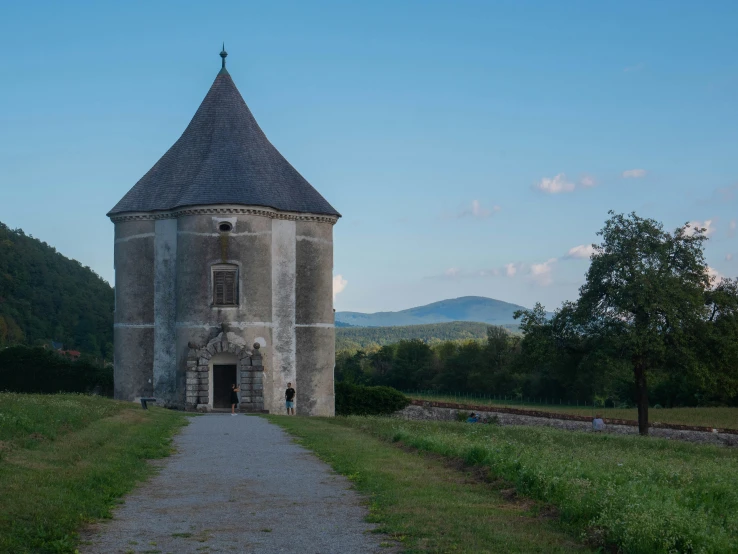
(223,210)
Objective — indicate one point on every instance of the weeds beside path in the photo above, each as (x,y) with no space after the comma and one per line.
(423,503)
(66,459)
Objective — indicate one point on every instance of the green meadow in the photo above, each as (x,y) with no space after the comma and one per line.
(622,493)
(66,459)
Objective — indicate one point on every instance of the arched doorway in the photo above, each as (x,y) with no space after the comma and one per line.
(213,368)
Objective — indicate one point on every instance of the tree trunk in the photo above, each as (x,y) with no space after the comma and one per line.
(641,396)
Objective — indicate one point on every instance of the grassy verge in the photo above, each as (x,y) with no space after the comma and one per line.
(423,503)
(722,418)
(644,495)
(66,459)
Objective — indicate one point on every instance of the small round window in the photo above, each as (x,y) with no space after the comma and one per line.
(225,227)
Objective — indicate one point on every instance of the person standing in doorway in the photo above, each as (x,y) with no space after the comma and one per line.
(289,396)
(234,398)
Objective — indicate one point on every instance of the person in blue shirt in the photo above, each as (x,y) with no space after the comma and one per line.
(598,424)
(473,418)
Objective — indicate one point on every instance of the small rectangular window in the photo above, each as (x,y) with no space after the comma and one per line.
(225,287)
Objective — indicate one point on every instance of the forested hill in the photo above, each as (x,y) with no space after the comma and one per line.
(466,308)
(353,338)
(45,296)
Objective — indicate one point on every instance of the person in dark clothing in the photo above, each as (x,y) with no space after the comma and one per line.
(234,398)
(289,396)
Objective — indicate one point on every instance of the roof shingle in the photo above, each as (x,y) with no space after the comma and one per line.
(223,157)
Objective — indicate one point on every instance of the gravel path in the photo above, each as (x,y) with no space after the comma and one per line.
(238,484)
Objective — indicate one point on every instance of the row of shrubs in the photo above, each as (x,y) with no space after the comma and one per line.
(38,370)
(363,400)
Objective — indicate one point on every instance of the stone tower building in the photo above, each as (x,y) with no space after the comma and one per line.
(223,271)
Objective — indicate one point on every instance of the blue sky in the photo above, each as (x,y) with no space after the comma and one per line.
(470,146)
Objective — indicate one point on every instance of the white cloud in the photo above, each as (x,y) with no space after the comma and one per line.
(537,273)
(339,283)
(477,211)
(587,181)
(555,185)
(707,225)
(728,257)
(541,273)
(581,251)
(713,273)
(634,173)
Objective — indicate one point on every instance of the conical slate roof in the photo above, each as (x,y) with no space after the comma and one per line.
(223,157)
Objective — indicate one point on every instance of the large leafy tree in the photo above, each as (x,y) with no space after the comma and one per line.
(645,297)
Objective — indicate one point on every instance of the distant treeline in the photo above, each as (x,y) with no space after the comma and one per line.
(507,364)
(355,338)
(45,296)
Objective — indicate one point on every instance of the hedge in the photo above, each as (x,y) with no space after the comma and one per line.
(37,370)
(363,400)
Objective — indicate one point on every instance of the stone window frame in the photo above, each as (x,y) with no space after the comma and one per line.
(225,268)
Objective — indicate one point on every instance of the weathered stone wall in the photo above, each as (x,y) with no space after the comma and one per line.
(283,313)
(133,331)
(165,312)
(314,319)
(434,413)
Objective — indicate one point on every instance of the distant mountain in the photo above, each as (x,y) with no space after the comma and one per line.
(342,324)
(466,308)
(45,297)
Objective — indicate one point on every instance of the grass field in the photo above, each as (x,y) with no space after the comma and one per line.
(644,495)
(723,418)
(65,460)
(423,503)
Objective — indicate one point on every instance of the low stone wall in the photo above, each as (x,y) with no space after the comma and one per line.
(420,410)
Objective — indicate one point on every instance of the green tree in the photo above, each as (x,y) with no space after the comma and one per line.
(644,294)
(350,367)
(717,341)
(412,366)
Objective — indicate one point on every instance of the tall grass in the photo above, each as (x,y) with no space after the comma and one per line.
(27,419)
(65,459)
(644,495)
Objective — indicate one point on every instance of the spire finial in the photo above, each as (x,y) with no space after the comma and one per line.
(223,55)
